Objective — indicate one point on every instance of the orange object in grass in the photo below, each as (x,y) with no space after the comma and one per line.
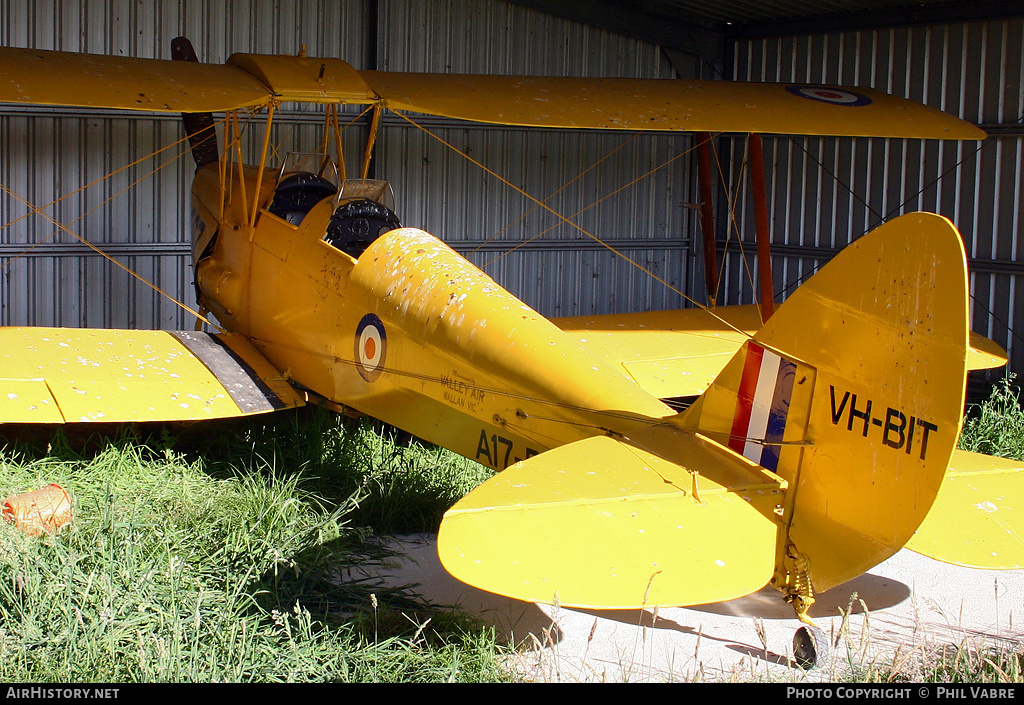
(44,510)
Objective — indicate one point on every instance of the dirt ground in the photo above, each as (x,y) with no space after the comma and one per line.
(901,609)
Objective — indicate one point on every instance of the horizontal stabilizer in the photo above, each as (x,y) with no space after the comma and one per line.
(667,353)
(678,353)
(601,524)
(984,353)
(66,375)
(978,517)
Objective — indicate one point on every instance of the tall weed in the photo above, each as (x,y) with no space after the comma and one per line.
(996,426)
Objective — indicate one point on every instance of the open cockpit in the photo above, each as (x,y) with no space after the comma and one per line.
(365,211)
(305,179)
(362,209)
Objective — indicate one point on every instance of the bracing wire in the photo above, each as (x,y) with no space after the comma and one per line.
(733,226)
(573,224)
(99,251)
(65,227)
(36,209)
(884,218)
(587,208)
(564,186)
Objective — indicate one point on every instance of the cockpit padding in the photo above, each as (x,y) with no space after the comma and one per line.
(357,223)
(298,193)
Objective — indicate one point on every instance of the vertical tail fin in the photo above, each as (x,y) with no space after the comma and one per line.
(853,392)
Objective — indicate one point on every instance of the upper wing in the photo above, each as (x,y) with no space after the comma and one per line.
(38,77)
(58,375)
(667,104)
(34,76)
(678,353)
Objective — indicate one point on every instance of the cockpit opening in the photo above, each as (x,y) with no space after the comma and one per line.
(305,179)
(365,211)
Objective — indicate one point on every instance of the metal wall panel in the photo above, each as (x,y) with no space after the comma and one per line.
(492,36)
(600,181)
(46,153)
(828,192)
(531,251)
(140,216)
(217,28)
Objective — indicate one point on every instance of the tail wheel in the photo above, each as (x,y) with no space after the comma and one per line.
(811,647)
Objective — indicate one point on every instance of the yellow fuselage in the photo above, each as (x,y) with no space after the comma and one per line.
(457,361)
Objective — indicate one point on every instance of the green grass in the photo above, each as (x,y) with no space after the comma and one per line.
(996,426)
(221,553)
(222,557)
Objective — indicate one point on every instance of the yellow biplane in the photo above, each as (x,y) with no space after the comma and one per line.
(819,434)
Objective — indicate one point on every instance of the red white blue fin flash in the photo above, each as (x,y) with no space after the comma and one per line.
(762,406)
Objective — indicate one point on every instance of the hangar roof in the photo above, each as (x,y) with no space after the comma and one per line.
(703,27)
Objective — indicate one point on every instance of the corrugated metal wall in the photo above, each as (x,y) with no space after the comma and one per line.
(828,192)
(46,153)
(553,266)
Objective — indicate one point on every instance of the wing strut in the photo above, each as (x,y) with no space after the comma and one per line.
(707,215)
(764,256)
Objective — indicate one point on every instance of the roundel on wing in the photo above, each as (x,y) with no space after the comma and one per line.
(371,347)
(833,96)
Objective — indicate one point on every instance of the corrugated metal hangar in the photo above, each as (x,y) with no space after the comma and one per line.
(636,193)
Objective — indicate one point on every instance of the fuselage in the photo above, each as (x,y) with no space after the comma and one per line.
(409,332)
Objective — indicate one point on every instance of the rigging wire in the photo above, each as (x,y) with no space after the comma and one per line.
(39,210)
(881,218)
(734,226)
(93,247)
(36,209)
(65,227)
(586,208)
(564,186)
(884,218)
(566,220)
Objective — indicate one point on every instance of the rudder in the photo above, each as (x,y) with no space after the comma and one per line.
(853,392)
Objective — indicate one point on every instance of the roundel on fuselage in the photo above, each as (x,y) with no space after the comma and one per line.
(371,347)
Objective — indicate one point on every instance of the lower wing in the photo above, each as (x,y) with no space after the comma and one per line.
(977,519)
(678,353)
(67,375)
